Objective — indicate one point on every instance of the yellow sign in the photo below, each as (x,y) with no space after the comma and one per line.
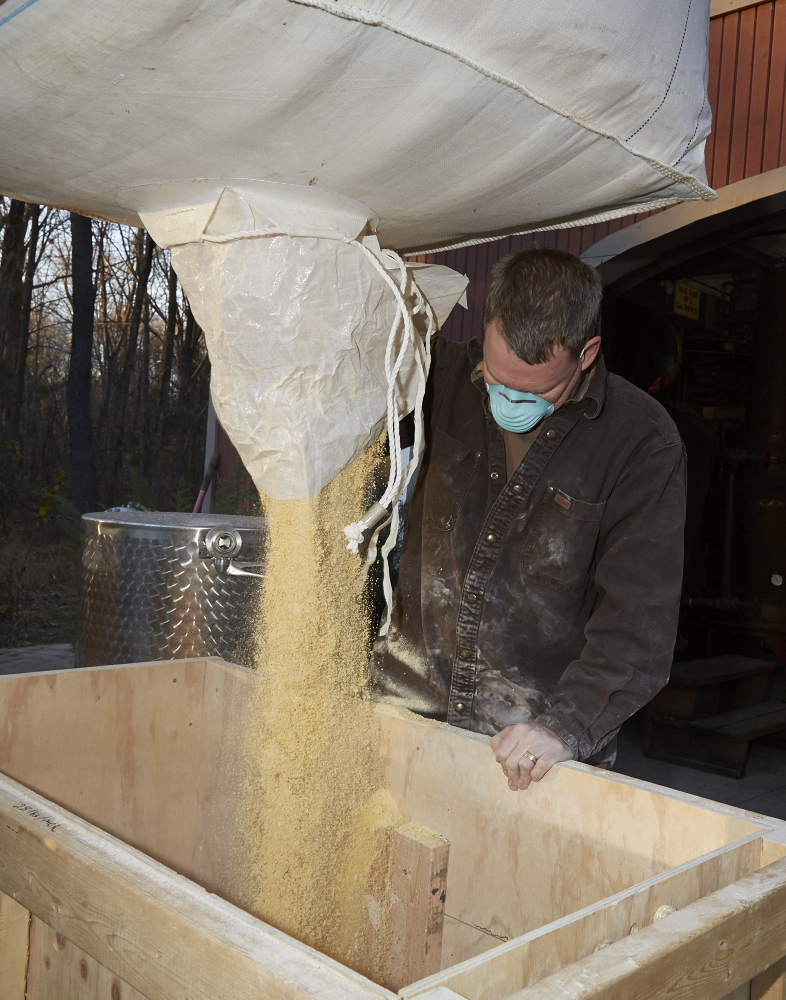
(687,299)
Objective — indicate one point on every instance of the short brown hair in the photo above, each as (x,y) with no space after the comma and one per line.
(544,299)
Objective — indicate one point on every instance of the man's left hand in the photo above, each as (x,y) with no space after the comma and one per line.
(513,742)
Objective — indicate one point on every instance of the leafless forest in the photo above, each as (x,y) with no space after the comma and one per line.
(104,382)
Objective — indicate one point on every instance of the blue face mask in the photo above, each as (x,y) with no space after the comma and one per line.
(517,411)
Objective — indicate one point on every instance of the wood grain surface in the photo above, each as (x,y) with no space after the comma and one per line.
(707,950)
(14,931)
(150,927)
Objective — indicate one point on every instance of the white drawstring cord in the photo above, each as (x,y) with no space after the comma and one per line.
(378,514)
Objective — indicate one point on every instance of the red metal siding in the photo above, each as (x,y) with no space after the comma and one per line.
(747,93)
(747,77)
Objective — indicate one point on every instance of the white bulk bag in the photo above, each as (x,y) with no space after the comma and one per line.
(452,120)
(432,124)
(297,325)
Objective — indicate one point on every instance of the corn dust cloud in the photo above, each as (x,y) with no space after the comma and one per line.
(316,815)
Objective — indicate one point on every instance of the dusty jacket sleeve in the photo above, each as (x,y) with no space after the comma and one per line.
(631,632)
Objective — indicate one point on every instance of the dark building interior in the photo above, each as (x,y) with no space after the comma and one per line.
(699,324)
(704,335)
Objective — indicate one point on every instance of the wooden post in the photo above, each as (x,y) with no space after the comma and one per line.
(418,882)
(58,970)
(14,933)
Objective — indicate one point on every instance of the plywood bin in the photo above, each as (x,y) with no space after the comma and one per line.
(117,878)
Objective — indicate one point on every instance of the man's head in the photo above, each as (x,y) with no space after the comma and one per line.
(540,320)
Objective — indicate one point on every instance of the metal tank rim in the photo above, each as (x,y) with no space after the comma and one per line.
(169,519)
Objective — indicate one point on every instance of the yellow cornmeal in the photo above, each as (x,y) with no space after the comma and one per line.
(314,807)
(422,834)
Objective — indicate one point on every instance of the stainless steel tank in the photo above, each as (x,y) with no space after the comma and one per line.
(162,586)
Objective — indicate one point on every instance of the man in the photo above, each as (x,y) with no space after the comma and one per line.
(540,574)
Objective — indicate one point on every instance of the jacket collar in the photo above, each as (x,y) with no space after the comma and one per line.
(594,397)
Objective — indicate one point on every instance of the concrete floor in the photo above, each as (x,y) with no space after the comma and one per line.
(763,789)
(28,659)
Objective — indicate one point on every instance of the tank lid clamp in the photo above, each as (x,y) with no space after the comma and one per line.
(223,543)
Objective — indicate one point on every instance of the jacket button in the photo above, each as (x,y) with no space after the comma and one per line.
(516,489)
(495,475)
(491,538)
(551,434)
(465,654)
(472,598)
(459,707)
(477,454)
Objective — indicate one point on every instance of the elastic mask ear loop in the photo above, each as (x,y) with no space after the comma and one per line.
(595,334)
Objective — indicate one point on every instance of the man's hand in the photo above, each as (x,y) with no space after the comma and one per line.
(513,742)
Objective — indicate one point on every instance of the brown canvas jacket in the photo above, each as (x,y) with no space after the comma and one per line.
(553,596)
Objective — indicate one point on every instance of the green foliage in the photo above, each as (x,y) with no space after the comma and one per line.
(39,575)
(183,498)
(69,523)
(139,490)
(236,494)
(49,495)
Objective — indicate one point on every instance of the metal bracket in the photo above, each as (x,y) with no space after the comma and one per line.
(233,569)
(222,544)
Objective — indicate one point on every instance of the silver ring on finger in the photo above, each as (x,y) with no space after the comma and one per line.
(531,756)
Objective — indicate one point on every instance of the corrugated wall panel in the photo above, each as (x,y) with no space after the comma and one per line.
(738,145)
(760,73)
(747,93)
(723,110)
(773,129)
(716,37)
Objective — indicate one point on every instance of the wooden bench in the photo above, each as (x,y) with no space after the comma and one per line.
(713,685)
(720,743)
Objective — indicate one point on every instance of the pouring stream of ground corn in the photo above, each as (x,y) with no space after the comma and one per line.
(315,813)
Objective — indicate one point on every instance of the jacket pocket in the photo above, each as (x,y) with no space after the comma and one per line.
(450,472)
(561,548)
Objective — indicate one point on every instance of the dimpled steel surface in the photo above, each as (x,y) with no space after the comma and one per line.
(149,590)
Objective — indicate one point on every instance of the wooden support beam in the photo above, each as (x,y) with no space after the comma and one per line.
(14,933)
(155,930)
(708,949)
(418,883)
(718,8)
(442,993)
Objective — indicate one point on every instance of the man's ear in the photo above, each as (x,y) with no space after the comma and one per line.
(590,352)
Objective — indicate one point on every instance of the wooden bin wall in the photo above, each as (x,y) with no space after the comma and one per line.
(144,753)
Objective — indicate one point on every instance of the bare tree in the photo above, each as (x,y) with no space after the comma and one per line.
(80,426)
(12,271)
(165,374)
(144,259)
(102,370)
(143,394)
(34,215)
